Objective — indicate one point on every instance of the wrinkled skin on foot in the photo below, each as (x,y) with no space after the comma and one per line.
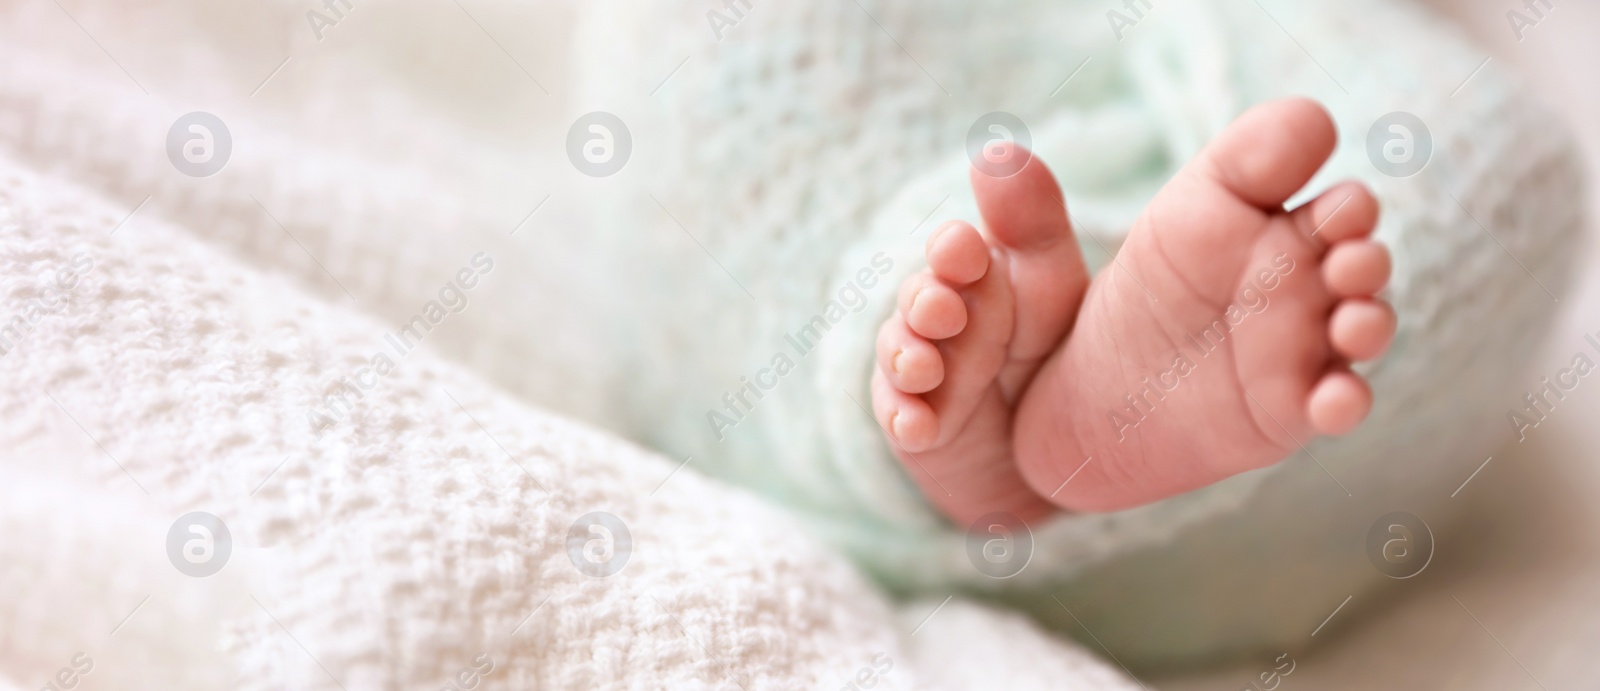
(1218,342)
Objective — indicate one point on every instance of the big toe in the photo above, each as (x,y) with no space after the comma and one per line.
(1271,151)
(1026,217)
(1205,223)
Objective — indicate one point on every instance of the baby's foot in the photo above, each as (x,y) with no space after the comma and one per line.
(1219,342)
(971,332)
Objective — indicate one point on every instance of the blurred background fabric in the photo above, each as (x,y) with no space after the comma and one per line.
(1509,601)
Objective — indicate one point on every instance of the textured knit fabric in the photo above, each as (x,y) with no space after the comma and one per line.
(171,339)
(427,532)
(772,162)
(803,141)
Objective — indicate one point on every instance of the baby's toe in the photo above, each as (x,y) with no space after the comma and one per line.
(907,419)
(1361,329)
(1270,152)
(957,253)
(1357,268)
(931,308)
(1339,403)
(1347,211)
(909,362)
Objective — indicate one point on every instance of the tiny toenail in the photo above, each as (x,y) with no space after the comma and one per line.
(894,362)
(894,429)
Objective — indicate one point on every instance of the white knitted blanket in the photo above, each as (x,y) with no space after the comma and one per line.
(401,515)
(429,533)
(169,342)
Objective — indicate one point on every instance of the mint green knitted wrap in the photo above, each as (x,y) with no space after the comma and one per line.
(807,149)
